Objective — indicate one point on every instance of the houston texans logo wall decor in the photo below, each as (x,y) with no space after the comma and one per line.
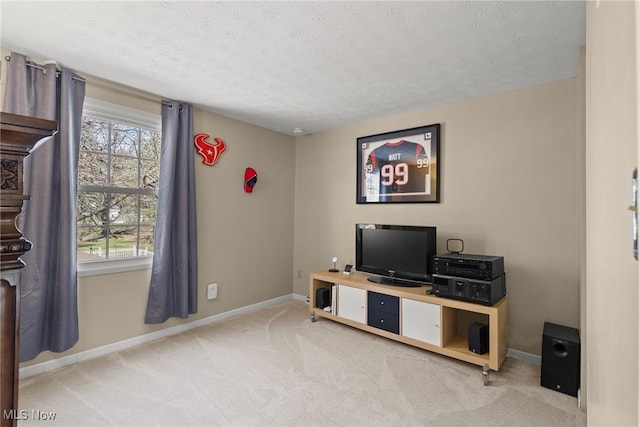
(210,152)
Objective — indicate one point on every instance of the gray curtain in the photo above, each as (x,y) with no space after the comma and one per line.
(174,276)
(48,288)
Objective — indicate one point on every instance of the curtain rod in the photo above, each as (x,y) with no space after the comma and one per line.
(127,93)
(32,65)
(148,98)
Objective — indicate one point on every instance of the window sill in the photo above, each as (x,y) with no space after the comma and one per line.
(95,268)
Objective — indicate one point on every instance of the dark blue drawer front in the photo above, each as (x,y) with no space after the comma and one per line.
(386,303)
(381,320)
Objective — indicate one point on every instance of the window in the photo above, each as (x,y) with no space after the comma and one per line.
(118,170)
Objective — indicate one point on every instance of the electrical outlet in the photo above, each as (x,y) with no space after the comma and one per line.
(212,291)
(299,274)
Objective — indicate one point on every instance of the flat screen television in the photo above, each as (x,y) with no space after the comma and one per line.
(400,255)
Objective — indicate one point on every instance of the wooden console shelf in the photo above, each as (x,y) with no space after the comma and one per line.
(426,321)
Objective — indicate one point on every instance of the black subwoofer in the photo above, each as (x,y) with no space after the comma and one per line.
(560,359)
(478,338)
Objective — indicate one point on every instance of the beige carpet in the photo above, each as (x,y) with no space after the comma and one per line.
(274,367)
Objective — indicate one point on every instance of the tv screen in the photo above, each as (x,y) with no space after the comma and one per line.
(399,254)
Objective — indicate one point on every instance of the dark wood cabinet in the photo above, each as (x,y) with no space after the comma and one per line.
(18,136)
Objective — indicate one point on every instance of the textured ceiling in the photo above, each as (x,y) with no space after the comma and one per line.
(313,65)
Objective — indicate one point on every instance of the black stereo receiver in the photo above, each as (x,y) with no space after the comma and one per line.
(483,267)
(486,292)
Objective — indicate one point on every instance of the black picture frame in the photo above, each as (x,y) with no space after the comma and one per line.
(402,166)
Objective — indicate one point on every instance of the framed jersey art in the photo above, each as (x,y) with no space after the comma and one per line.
(399,167)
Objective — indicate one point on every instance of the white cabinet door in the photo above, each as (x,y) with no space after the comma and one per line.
(421,321)
(352,303)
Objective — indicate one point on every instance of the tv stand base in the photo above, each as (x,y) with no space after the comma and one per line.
(391,281)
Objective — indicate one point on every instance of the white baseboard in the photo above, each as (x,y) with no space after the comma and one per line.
(527,357)
(60,362)
(299,297)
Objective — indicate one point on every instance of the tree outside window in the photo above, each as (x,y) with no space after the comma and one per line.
(118,173)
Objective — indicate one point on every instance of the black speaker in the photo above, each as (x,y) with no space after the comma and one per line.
(560,359)
(478,338)
(323,297)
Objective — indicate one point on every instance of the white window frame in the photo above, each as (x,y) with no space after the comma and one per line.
(118,113)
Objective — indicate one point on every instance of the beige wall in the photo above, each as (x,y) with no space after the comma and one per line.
(612,322)
(509,187)
(245,241)
(582,220)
